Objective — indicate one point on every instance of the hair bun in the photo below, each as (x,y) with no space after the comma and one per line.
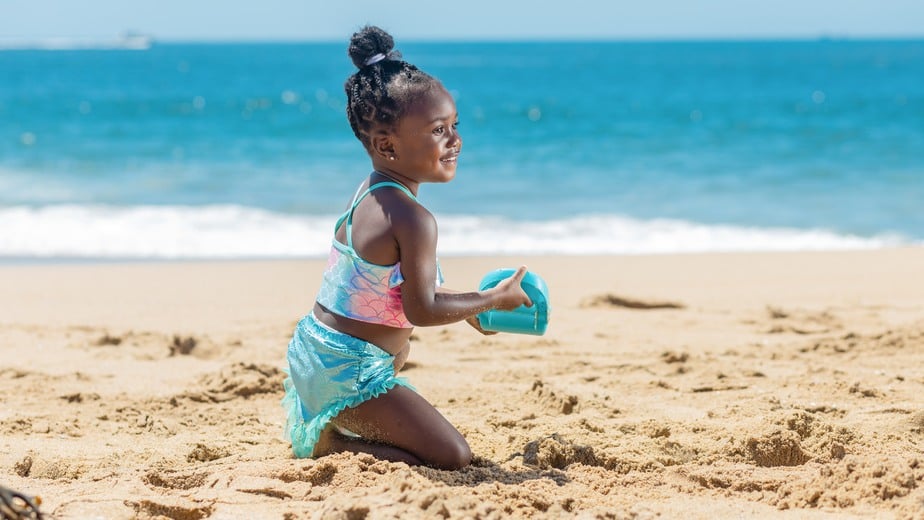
(369,41)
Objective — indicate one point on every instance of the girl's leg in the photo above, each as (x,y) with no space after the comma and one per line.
(399,425)
(332,441)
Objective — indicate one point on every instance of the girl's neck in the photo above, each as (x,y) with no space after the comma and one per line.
(392,178)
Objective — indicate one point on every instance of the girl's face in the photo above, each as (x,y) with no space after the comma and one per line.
(426,140)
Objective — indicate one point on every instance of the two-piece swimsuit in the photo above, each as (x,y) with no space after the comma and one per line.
(330,370)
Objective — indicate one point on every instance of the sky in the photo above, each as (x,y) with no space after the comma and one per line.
(335,20)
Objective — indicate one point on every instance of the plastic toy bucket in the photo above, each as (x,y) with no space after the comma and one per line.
(522,320)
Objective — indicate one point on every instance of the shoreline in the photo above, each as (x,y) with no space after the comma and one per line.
(224,232)
(783,384)
(25,260)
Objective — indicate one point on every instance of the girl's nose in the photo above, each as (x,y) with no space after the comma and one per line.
(455,140)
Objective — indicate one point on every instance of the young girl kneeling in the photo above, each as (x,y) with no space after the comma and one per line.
(382,278)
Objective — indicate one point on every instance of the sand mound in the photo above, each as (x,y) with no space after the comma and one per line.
(855,481)
(240,380)
(794,438)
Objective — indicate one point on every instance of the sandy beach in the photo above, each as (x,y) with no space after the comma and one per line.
(783,385)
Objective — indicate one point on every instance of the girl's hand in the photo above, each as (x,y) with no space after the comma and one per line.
(473,321)
(510,294)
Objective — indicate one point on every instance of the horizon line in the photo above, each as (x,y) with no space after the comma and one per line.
(484,39)
(560,39)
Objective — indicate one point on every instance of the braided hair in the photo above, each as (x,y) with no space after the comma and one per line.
(379,93)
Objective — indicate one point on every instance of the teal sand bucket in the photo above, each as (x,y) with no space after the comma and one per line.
(522,320)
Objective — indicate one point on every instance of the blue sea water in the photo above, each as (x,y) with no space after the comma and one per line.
(243,150)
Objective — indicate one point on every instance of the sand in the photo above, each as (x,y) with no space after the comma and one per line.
(784,385)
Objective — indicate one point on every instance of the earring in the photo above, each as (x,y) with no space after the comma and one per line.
(391,157)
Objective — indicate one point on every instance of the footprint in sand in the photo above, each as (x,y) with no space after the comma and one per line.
(170,508)
(890,341)
(564,404)
(35,466)
(22,425)
(917,422)
(318,473)
(556,452)
(14,373)
(137,421)
(174,479)
(183,345)
(670,357)
(206,453)
(108,340)
(270,487)
(612,300)
(80,397)
(138,345)
(152,345)
(800,321)
(240,380)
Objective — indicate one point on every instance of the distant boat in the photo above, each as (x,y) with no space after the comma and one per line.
(135,41)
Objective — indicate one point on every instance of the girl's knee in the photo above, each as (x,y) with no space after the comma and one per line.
(455,455)
(463,456)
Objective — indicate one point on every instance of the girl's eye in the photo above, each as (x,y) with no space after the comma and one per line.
(439,130)
(455,125)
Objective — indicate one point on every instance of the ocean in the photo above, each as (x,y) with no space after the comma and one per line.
(198,151)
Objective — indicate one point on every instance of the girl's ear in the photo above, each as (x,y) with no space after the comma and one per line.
(383,146)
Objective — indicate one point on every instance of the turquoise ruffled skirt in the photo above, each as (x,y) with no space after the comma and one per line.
(330,371)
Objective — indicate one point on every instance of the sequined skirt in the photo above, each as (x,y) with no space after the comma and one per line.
(328,372)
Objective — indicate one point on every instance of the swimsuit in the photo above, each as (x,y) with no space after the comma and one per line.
(330,370)
(357,289)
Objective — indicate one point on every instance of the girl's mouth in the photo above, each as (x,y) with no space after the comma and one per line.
(450,158)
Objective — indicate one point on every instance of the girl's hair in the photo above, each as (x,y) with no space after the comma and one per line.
(381,90)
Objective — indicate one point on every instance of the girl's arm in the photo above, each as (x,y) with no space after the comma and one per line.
(471,320)
(416,233)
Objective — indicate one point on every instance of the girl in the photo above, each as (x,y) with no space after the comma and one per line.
(382,278)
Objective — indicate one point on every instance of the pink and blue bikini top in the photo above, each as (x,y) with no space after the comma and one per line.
(360,290)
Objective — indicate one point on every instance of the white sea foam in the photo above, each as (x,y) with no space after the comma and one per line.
(172,232)
(185,232)
(613,234)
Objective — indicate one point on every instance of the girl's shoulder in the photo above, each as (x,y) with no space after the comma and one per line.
(399,201)
(405,212)
(409,219)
